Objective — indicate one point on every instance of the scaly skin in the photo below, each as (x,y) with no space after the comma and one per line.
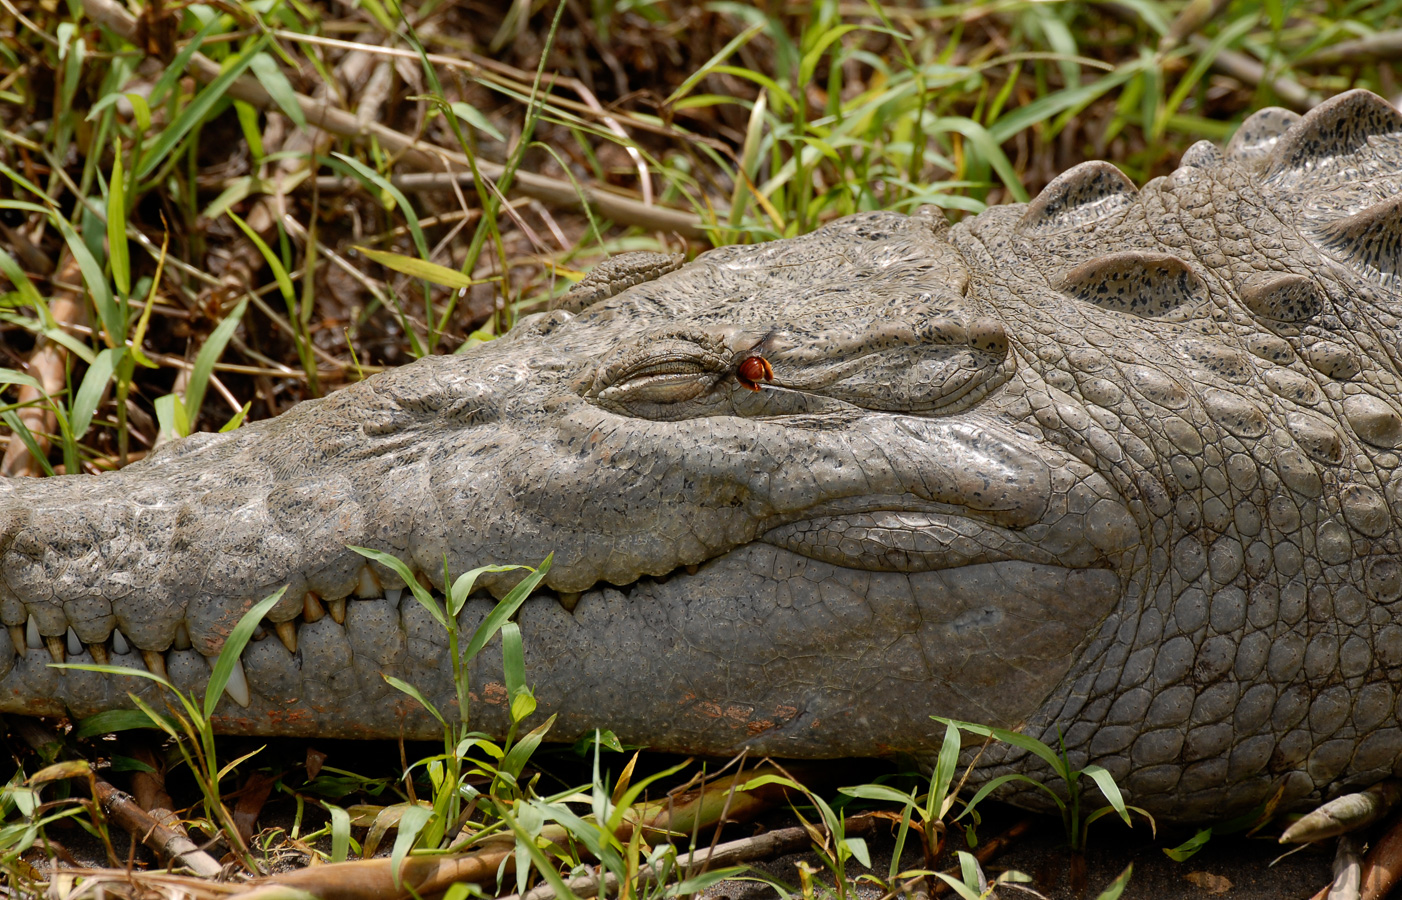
(1116,465)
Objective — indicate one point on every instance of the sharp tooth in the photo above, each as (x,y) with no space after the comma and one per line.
(181,641)
(17,638)
(31,634)
(312,610)
(237,687)
(569,599)
(369,587)
(424,581)
(393,595)
(75,646)
(287,633)
(155,663)
(338,610)
(99,654)
(55,648)
(692,569)
(119,642)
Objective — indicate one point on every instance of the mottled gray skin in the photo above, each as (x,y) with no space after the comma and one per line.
(1117,465)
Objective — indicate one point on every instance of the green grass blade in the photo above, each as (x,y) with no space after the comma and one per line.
(174,422)
(90,392)
(233,647)
(876,792)
(1117,887)
(266,70)
(236,419)
(110,721)
(963,890)
(1106,782)
(411,218)
(410,824)
(1017,739)
(96,282)
(27,292)
(472,116)
(397,565)
(414,692)
(547,869)
(204,362)
(514,669)
(698,883)
(1192,845)
(1001,780)
(178,66)
(943,777)
(419,268)
(987,144)
(520,753)
(117,253)
(1044,108)
(284,281)
(1201,63)
(12,376)
(506,609)
(465,582)
(20,430)
(197,111)
(340,831)
(722,54)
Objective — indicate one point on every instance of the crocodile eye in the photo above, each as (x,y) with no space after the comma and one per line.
(663,373)
(665,381)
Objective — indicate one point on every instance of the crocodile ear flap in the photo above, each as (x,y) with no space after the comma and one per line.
(1137,282)
(1079,196)
(1338,127)
(1370,238)
(1259,134)
(615,275)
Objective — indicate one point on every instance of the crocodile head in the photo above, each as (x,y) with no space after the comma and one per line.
(1114,466)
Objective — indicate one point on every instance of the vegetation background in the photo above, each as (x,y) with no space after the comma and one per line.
(211,211)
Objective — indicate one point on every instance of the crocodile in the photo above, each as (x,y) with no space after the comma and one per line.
(1118,467)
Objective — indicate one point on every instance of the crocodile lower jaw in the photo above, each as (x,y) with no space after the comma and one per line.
(761,647)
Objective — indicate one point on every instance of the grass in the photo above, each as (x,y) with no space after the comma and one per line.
(485,805)
(178,254)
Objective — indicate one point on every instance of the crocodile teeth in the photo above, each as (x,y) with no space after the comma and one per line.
(181,641)
(369,586)
(17,638)
(312,610)
(692,569)
(119,642)
(338,610)
(155,663)
(99,654)
(237,687)
(31,634)
(393,595)
(569,599)
(75,646)
(287,633)
(55,645)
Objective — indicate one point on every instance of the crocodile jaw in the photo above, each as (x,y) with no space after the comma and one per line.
(761,648)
